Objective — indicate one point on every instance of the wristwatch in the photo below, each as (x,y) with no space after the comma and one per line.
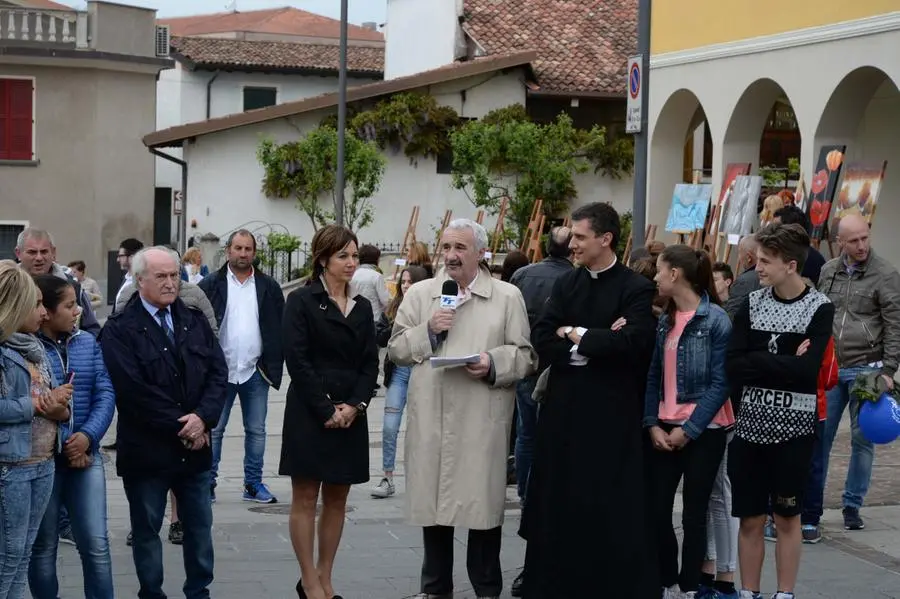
(568,330)
(361,407)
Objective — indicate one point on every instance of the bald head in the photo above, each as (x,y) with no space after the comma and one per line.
(558,242)
(853,237)
(747,247)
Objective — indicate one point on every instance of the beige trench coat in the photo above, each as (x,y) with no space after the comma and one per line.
(457,428)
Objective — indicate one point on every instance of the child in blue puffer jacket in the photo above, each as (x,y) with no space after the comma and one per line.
(80,481)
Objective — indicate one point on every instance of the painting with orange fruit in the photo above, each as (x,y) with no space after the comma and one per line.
(859,193)
(822,189)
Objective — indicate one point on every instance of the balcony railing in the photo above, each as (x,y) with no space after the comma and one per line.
(29,26)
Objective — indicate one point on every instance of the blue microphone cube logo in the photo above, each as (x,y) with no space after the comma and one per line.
(448,301)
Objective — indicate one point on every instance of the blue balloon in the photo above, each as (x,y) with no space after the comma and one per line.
(880,421)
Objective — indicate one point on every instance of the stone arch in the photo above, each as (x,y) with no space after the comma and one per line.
(744,132)
(863,112)
(682,115)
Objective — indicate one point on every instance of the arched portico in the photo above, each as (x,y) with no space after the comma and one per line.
(681,120)
(863,113)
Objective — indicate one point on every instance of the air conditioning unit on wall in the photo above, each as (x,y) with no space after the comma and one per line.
(163,38)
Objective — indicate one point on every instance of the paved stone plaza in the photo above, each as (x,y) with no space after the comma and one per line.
(381,556)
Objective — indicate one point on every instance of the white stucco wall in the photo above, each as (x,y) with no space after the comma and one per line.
(182,99)
(224,176)
(834,101)
(421,35)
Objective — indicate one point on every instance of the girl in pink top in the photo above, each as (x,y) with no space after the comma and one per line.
(685,410)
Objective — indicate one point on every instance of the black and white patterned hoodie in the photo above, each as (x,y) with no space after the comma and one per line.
(774,389)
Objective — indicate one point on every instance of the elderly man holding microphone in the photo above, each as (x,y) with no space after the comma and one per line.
(459,415)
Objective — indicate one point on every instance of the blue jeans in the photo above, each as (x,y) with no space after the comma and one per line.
(813,497)
(394,403)
(254,394)
(526,428)
(24,493)
(147,504)
(862,451)
(82,491)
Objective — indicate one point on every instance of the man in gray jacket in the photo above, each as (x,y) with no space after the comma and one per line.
(748,281)
(865,291)
(37,254)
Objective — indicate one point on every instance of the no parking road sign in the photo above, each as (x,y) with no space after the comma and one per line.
(634,107)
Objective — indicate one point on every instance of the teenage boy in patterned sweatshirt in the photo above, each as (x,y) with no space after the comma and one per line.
(778,340)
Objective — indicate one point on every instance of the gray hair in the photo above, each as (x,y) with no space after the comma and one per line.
(139,261)
(33,233)
(481,236)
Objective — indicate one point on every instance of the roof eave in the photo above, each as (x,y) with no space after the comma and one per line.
(175,136)
(554,93)
(284,70)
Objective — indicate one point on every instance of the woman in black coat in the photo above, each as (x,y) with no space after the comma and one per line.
(330,353)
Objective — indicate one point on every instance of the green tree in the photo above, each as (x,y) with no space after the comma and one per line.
(306,170)
(505,154)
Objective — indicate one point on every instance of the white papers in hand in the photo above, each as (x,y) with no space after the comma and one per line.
(446,362)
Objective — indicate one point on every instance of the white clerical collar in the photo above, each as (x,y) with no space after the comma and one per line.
(596,273)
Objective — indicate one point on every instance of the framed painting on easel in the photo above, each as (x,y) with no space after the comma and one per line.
(822,189)
(860,187)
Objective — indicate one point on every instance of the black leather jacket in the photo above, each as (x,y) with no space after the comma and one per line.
(535,281)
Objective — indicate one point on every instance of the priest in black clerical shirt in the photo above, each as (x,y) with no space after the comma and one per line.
(584,520)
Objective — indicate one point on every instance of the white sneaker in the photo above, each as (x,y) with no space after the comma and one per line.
(384,489)
(783,596)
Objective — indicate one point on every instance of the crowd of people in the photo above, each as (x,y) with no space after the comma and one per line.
(611,385)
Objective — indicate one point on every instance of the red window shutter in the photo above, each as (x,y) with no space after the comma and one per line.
(4,120)
(21,115)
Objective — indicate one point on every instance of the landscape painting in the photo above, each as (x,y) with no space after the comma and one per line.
(740,213)
(823,187)
(859,193)
(690,205)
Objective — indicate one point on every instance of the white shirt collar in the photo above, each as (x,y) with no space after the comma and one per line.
(595,273)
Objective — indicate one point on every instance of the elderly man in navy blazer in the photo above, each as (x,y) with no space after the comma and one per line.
(169,374)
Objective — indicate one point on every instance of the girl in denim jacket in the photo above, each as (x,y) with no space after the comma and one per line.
(30,410)
(683,410)
(80,481)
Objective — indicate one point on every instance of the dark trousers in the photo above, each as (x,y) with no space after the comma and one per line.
(698,463)
(147,505)
(482,561)
(815,483)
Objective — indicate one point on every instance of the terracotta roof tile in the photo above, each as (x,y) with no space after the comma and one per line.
(175,136)
(277,55)
(45,4)
(582,45)
(281,21)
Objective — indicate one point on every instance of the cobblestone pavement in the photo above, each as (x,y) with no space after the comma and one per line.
(380,555)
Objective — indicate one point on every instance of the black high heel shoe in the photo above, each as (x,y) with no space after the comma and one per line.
(300,592)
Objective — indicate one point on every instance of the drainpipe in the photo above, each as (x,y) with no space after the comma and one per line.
(209,94)
(182,234)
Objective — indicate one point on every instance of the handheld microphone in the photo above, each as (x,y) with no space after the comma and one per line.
(449,293)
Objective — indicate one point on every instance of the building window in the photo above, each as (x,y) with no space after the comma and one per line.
(259,97)
(16,119)
(9,235)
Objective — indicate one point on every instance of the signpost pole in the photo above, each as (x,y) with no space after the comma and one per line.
(342,118)
(638,97)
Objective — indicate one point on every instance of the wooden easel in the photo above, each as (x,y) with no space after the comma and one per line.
(448,215)
(531,244)
(479,217)
(499,228)
(409,239)
(649,235)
